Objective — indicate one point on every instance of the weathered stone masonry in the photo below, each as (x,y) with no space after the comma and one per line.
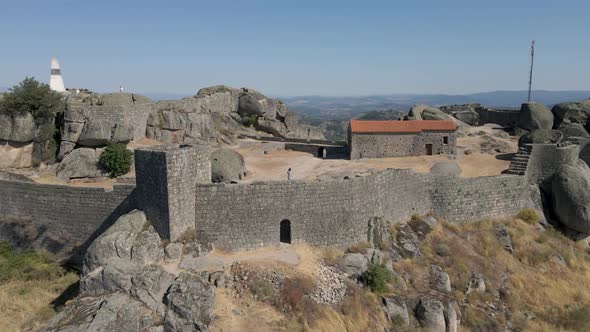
(170,189)
(338,212)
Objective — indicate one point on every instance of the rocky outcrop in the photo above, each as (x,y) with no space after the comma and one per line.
(425,112)
(115,312)
(125,287)
(17,128)
(94,120)
(573,130)
(80,163)
(535,116)
(446,168)
(577,112)
(571,196)
(227,165)
(440,280)
(216,114)
(430,314)
(540,136)
(189,303)
(466,112)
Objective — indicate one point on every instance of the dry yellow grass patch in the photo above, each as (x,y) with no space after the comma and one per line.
(27,303)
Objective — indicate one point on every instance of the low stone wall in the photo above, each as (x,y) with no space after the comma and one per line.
(504,118)
(338,212)
(61,216)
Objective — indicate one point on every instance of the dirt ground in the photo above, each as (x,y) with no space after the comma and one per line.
(273,165)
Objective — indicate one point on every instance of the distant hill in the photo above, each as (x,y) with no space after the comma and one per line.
(347,107)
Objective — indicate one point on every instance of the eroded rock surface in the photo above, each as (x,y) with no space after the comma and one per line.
(571,196)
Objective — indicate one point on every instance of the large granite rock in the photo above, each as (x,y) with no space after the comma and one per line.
(573,130)
(216,113)
(80,163)
(116,312)
(535,116)
(125,286)
(430,314)
(466,112)
(540,136)
(17,128)
(446,168)
(570,189)
(94,120)
(396,310)
(577,112)
(354,264)
(425,112)
(189,304)
(227,165)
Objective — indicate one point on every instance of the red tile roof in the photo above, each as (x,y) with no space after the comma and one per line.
(410,126)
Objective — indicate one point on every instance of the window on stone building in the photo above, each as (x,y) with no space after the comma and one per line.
(445,140)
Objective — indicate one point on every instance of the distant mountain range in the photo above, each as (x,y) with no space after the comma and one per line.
(337,107)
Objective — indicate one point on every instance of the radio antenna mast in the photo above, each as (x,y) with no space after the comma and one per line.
(531,72)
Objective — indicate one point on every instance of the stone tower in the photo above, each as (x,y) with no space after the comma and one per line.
(56,82)
(166,178)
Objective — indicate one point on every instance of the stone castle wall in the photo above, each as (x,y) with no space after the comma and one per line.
(504,118)
(62,215)
(170,189)
(338,212)
(397,145)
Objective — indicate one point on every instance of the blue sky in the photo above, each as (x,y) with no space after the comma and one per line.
(286,48)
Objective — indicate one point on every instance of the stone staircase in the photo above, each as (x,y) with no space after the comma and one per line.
(519,162)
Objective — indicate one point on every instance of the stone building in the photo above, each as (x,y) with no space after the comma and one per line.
(381,139)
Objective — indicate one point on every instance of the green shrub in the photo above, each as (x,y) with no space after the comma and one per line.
(249,120)
(528,215)
(116,159)
(26,265)
(376,277)
(32,96)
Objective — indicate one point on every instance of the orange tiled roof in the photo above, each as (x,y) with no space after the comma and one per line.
(410,126)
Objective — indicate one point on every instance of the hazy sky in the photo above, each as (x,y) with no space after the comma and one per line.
(298,47)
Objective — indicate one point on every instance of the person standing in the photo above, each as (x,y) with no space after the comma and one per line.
(289,174)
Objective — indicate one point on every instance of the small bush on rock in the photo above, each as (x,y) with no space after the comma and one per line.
(376,277)
(249,120)
(116,159)
(528,215)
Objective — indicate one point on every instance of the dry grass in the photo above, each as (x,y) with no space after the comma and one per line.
(27,303)
(539,284)
(29,282)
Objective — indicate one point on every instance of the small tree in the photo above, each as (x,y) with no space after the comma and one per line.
(116,159)
(32,96)
(376,277)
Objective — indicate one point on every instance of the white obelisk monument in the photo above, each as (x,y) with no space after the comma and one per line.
(56,82)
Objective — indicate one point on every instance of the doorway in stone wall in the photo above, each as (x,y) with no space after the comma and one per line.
(322,152)
(429,149)
(285,231)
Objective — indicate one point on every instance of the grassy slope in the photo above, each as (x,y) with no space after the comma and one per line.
(555,293)
(29,282)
